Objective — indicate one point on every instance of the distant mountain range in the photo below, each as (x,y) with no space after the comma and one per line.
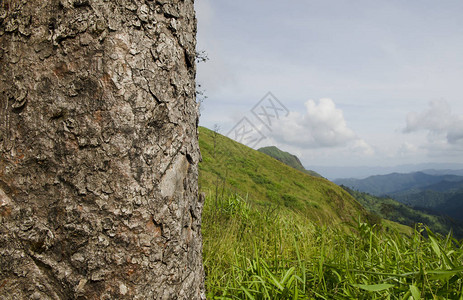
(394,183)
(440,194)
(360,172)
(443,172)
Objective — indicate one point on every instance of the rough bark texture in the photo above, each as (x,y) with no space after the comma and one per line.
(98,150)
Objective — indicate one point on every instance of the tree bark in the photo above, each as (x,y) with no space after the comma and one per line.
(98,150)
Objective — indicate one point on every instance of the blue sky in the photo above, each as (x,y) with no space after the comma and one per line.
(371,83)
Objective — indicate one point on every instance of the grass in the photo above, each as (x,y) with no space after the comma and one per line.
(254,254)
(272,232)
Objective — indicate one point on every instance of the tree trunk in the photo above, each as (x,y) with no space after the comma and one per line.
(98,150)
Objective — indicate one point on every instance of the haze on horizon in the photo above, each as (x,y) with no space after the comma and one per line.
(357,83)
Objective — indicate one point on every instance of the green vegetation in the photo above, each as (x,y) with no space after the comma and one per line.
(436,199)
(267,183)
(444,198)
(452,207)
(393,210)
(253,254)
(272,232)
(287,158)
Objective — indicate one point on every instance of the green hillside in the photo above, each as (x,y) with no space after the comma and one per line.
(442,198)
(229,166)
(287,158)
(453,207)
(272,232)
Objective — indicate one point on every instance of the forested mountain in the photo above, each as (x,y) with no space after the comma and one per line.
(390,209)
(440,195)
(287,158)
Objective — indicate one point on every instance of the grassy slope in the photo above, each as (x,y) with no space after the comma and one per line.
(264,246)
(267,182)
(287,158)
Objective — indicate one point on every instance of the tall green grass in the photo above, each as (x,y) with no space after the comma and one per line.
(274,253)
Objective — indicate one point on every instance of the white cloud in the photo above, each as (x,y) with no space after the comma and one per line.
(438,120)
(362,147)
(321,125)
(435,119)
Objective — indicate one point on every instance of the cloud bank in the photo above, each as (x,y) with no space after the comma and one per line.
(320,125)
(438,121)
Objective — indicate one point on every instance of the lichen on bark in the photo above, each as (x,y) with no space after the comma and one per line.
(98,150)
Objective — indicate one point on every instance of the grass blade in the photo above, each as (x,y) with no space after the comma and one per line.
(415,292)
(374,287)
(248,294)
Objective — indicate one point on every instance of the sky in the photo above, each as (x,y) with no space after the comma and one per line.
(338,83)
